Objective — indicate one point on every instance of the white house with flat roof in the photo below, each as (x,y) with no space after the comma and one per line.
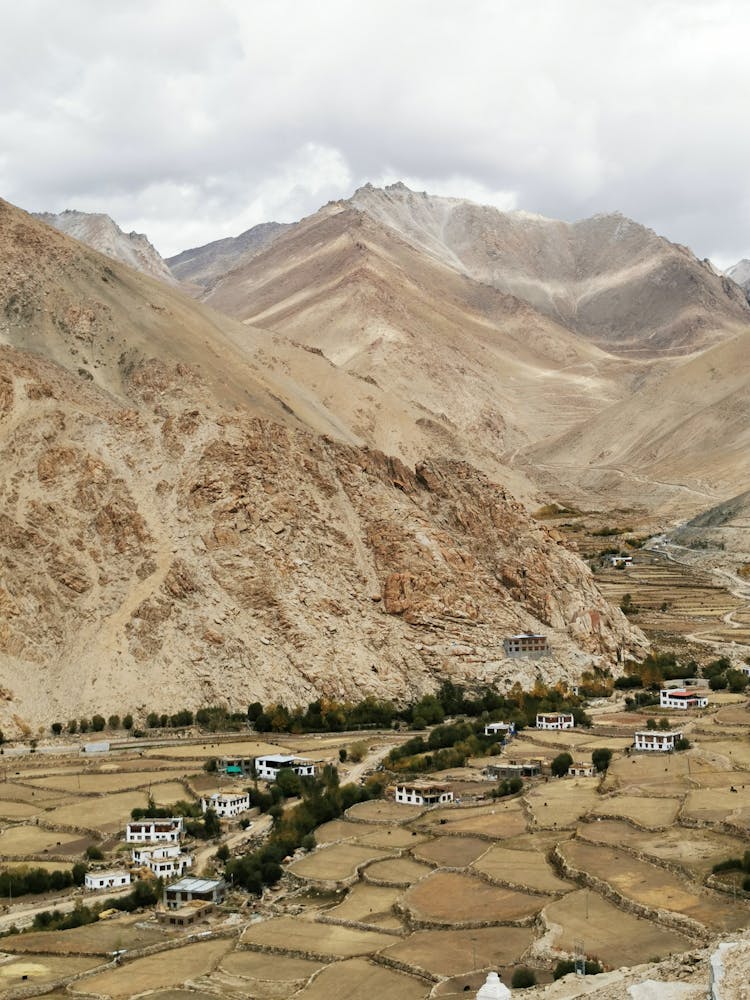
(555,720)
(269,766)
(656,740)
(145,831)
(682,698)
(226,804)
(95,881)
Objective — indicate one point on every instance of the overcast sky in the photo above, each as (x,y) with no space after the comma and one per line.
(194,119)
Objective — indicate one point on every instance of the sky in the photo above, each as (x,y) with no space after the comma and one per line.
(191,120)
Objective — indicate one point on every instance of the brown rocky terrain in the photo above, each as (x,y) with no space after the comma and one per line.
(180,524)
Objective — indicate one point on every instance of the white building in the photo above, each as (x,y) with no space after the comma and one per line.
(423,794)
(505,730)
(144,831)
(682,698)
(94,881)
(656,740)
(163,860)
(554,720)
(227,804)
(268,767)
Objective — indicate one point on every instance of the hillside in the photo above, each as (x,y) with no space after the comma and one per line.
(103,234)
(175,531)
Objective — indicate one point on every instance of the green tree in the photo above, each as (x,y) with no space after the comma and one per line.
(561,764)
(600,758)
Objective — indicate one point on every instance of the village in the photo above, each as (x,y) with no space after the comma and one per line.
(555,842)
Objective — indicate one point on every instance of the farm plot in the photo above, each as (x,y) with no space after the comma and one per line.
(452,897)
(358,979)
(269,971)
(451,852)
(369,904)
(336,863)
(653,813)
(653,886)
(28,971)
(310,939)
(24,841)
(396,872)
(100,938)
(453,952)
(497,821)
(695,850)
(101,784)
(714,805)
(559,803)
(607,932)
(529,869)
(165,969)
(383,811)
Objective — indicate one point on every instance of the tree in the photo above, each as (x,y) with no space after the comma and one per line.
(523,978)
(600,758)
(560,766)
(98,722)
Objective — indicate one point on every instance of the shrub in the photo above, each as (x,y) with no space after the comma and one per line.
(523,978)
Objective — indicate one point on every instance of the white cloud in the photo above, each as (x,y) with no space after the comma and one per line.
(193,119)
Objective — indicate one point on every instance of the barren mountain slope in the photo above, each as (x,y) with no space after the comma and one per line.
(689,428)
(103,234)
(607,277)
(480,364)
(201,266)
(165,542)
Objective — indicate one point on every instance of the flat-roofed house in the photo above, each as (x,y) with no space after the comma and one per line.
(656,740)
(682,698)
(95,881)
(422,793)
(144,831)
(226,804)
(555,720)
(189,890)
(526,644)
(269,766)
(503,730)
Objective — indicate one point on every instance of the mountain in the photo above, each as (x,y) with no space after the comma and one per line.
(740,274)
(201,266)
(183,524)
(103,234)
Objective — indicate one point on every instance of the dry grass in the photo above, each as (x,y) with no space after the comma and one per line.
(451,897)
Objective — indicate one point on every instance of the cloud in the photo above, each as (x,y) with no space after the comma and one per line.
(193,119)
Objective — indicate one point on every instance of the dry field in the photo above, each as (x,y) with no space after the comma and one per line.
(655,887)
(452,952)
(358,979)
(165,969)
(369,904)
(656,814)
(335,863)
(524,868)
(607,932)
(307,938)
(451,852)
(452,897)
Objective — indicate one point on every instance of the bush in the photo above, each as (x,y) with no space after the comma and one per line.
(560,766)
(523,978)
